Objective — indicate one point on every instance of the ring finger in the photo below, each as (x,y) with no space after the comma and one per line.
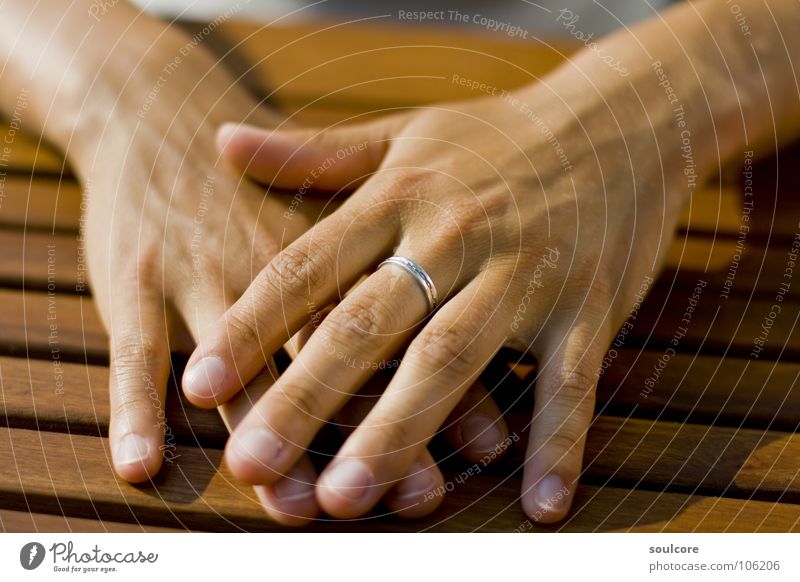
(438,368)
(350,344)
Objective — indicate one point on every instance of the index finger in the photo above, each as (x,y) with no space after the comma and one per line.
(283,298)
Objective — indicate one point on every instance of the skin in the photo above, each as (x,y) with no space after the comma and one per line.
(524,252)
(173,233)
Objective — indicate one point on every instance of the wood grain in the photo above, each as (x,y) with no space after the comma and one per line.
(704,389)
(695,388)
(26,154)
(717,325)
(29,522)
(742,462)
(41,203)
(732,462)
(710,444)
(37,394)
(70,475)
(40,259)
(53,326)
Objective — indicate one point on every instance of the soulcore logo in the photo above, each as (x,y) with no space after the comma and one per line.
(33,554)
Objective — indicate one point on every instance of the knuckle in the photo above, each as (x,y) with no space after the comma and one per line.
(137,352)
(576,385)
(496,203)
(466,215)
(391,435)
(241,327)
(459,226)
(357,322)
(301,399)
(405,183)
(136,404)
(448,347)
(588,283)
(297,270)
(564,439)
(144,272)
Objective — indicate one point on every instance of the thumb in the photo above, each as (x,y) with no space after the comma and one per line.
(332,158)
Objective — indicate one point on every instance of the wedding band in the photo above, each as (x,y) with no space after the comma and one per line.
(419,274)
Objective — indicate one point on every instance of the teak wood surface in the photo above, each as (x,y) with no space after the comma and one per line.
(712,447)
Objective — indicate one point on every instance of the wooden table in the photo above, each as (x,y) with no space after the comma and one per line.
(711,448)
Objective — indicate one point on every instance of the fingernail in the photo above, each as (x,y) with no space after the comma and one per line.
(132,449)
(350,478)
(297,485)
(480,433)
(259,445)
(204,379)
(550,493)
(417,483)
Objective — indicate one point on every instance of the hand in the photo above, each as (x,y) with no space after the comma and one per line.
(173,238)
(527,248)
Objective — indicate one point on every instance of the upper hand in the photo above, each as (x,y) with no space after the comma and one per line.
(535,243)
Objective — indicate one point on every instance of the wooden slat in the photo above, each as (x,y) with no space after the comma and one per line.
(699,388)
(743,461)
(375,64)
(713,209)
(37,394)
(734,462)
(709,389)
(29,522)
(45,261)
(71,475)
(742,268)
(40,324)
(643,511)
(41,203)
(728,391)
(717,325)
(26,154)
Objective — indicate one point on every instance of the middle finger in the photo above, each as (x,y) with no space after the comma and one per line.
(350,344)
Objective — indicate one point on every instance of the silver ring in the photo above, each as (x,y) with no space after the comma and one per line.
(420,276)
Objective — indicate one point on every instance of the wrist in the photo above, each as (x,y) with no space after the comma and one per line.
(643,119)
(172,91)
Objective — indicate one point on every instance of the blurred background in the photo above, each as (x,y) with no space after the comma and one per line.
(540,18)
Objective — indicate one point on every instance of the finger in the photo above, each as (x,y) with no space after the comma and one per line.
(352,342)
(437,369)
(326,159)
(284,297)
(139,370)
(421,491)
(291,500)
(476,428)
(564,404)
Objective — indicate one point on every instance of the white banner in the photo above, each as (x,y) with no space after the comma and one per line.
(399,557)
